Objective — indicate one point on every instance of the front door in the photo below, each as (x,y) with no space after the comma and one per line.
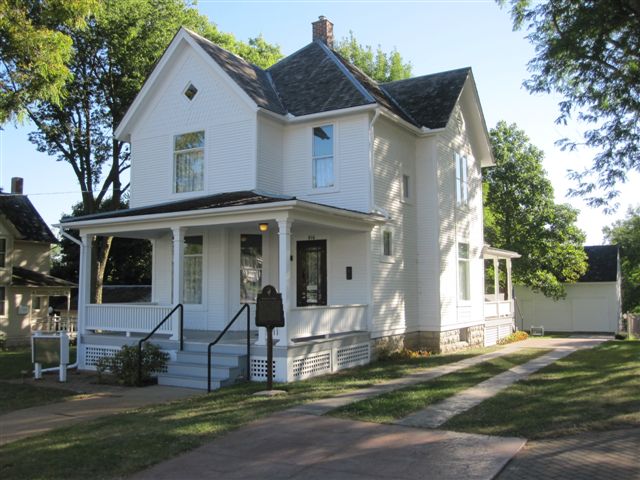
(311,283)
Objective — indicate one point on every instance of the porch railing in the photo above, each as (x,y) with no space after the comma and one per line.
(323,320)
(502,308)
(130,318)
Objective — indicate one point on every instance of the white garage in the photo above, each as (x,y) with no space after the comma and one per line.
(591,305)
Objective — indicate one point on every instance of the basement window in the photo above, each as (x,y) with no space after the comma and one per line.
(190,91)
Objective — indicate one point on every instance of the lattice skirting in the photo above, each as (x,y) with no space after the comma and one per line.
(352,356)
(259,368)
(94,352)
(311,365)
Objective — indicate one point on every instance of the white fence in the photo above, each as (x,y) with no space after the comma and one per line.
(312,321)
(130,318)
(498,309)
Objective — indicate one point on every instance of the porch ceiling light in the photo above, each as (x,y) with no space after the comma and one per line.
(263,227)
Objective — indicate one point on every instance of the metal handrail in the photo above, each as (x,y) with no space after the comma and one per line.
(167,317)
(210,346)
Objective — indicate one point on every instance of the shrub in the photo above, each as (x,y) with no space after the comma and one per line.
(3,340)
(408,354)
(124,364)
(516,336)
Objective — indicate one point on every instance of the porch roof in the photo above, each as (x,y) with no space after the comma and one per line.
(23,277)
(231,202)
(492,252)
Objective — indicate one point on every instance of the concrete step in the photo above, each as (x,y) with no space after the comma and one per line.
(200,370)
(217,358)
(188,381)
(231,348)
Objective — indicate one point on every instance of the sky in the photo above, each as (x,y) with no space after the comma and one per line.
(433,35)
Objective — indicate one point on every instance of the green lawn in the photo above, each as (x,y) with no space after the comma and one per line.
(14,361)
(400,403)
(121,444)
(589,390)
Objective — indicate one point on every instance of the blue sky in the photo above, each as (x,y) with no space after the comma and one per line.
(432,35)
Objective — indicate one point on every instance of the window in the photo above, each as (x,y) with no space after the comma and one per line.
(250,267)
(406,187)
(323,157)
(312,273)
(192,273)
(188,156)
(462,180)
(464,290)
(3,311)
(387,243)
(3,252)
(36,303)
(190,91)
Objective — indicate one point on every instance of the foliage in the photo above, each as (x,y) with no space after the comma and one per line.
(129,261)
(124,364)
(3,340)
(35,49)
(113,56)
(589,53)
(381,66)
(521,215)
(516,336)
(626,234)
(405,354)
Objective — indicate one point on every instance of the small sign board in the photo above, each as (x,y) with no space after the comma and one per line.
(269,311)
(50,350)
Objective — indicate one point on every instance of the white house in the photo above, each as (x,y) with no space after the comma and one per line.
(361,202)
(593,304)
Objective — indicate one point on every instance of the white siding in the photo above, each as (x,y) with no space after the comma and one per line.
(588,307)
(459,225)
(351,163)
(394,282)
(270,137)
(161,271)
(228,122)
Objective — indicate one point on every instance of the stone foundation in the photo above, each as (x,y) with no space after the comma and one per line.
(437,342)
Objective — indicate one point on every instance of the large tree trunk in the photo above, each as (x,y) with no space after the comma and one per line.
(100,254)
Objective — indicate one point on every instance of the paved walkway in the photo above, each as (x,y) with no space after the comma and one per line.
(611,455)
(297,446)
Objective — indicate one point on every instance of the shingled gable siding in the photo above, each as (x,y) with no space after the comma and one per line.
(351,163)
(394,283)
(228,122)
(459,225)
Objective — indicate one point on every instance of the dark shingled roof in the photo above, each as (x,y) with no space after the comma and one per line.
(220,200)
(603,264)
(317,79)
(19,210)
(429,99)
(23,277)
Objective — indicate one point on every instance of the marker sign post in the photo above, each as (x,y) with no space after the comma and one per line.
(269,314)
(50,349)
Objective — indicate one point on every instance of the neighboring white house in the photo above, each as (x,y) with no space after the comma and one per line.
(593,304)
(368,195)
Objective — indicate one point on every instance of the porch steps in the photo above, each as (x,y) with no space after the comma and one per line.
(189,369)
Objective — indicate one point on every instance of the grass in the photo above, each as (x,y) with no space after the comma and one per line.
(14,396)
(398,404)
(119,445)
(591,389)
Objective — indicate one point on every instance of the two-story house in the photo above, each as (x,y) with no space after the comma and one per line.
(361,202)
(25,262)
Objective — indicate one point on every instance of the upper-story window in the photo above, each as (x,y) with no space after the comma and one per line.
(323,157)
(3,252)
(188,157)
(462,180)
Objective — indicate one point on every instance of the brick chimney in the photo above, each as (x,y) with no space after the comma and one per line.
(16,185)
(323,31)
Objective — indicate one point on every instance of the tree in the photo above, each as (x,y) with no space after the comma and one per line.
(113,56)
(381,66)
(35,49)
(589,52)
(521,215)
(626,234)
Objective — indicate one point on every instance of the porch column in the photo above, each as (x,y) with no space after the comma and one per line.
(284,273)
(84,282)
(509,283)
(496,279)
(178,270)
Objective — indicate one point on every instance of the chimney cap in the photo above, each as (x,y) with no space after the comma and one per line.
(322,31)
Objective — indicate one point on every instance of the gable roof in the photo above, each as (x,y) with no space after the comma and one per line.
(20,212)
(23,277)
(317,79)
(602,263)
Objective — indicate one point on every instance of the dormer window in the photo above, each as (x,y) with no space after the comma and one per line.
(190,91)
(323,157)
(188,157)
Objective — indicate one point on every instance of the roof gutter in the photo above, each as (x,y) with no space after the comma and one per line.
(289,118)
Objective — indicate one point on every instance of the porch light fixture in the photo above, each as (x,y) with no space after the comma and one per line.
(263,227)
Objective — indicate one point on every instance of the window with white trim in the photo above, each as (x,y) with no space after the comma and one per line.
(3,252)
(192,270)
(464,278)
(387,243)
(3,301)
(322,161)
(406,187)
(462,180)
(188,159)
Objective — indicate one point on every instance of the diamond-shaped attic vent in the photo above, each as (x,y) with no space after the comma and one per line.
(191,91)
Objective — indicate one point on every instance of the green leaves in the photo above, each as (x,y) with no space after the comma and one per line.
(521,215)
